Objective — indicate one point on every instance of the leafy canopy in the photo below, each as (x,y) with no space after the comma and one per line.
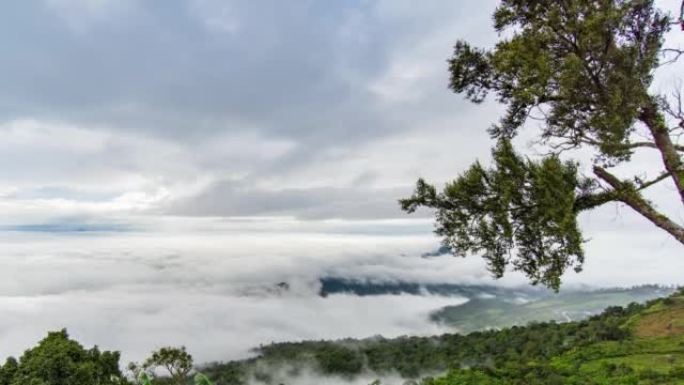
(582,69)
(176,361)
(516,203)
(58,360)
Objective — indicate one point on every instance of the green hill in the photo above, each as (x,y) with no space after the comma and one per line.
(506,309)
(637,344)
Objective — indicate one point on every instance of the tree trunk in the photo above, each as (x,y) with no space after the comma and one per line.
(671,158)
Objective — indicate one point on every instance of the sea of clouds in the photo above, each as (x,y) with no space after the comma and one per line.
(213,285)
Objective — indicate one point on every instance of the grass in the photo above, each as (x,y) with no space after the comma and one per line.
(666,318)
(657,345)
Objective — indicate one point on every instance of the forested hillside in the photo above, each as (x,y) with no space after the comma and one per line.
(636,344)
(520,308)
(495,307)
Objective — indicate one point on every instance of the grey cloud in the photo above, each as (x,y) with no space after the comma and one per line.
(174,77)
(300,70)
(228,198)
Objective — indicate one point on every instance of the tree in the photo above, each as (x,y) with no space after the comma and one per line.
(201,379)
(144,379)
(176,361)
(58,360)
(582,69)
(139,374)
(8,370)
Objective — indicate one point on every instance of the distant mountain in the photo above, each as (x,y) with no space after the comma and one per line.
(509,308)
(494,307)
(442,250)
(365,287)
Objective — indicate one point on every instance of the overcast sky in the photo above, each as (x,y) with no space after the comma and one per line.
(112,110)
(232,108)
(182,128)
(216,108)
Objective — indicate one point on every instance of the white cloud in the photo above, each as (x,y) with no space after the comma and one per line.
(82,14)
(216,15)
(210,283)
(69,170)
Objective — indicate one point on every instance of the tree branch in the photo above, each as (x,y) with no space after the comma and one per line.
(626,193)
(590,201)
(645,185)
(677,147)
(633,145)
(676,53)
(661,135)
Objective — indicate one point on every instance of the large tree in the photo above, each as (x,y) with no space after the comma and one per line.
(59,360)
(176,361)
(582,69)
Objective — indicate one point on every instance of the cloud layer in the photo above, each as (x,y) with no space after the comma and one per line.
(212,285)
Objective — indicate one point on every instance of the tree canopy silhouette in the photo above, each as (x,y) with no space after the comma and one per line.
(582,69)
(59,360)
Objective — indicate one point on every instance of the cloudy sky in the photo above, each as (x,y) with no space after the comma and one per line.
(217,146)
(313,110)
(215,108)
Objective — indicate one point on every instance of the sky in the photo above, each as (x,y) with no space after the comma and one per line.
(214,108)
(205,149)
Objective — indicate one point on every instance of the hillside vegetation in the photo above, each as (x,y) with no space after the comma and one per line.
(496,307)
(636,344)
(522,307)
(640,344)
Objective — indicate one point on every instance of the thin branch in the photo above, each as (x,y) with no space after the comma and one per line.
(645,185)
(632,145)
(671,51)
(675,108)
(626,193)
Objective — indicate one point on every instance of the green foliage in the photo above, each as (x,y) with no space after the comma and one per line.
(339,359)
(589,62)
(176,361)
(503,309)
(465,377)
(603,350)
(201,379)
(585,67)
(230,373)
(8,370)
(517,204)
(544,375)
(599,350)
(58,360)
(144,379)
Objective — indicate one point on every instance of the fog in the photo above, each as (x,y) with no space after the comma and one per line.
(310,376)
(213,285)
